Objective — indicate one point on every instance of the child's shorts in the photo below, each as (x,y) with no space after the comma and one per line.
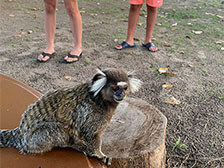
(152,3)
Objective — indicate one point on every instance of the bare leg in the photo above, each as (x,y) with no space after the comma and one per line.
(50,27)
(151,20)
(132,22)
(76,25)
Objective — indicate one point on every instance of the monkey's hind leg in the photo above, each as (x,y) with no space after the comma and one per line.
(43,137)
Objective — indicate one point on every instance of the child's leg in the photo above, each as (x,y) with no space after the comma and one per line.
(76,25)
(151,20)
(50,27)
(132,21)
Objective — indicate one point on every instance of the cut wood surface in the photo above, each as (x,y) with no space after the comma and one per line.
(136,136)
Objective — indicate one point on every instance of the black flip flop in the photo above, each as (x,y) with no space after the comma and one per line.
(73,56)
(125,45)
(148,45)
(44,55)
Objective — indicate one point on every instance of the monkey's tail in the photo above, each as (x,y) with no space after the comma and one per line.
(9,138)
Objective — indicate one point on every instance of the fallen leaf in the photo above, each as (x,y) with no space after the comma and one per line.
(159,24)
(22,33)
(174,25)
(140,24)
(188,37)
(142,14)
(222,48)
(34,9)
(171,74)
(18,35)
(181,52)
(68,78)
(163,70)
(218,16)
(82,11)
(211,14)
(167,86)
(136,39)
(11,15)
(153,39)
(167,45)
(115,40)
(123,20)
(172,100)
(197,32)
(30,32)
(92,14)
(219,42)
(189,24)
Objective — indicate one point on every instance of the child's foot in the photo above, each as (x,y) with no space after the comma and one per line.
(70,58)
(124,45)
(150,46)
(44,57)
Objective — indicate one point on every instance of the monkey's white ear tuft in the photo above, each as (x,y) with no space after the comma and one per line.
(100,72)
(99,83)
(135,84)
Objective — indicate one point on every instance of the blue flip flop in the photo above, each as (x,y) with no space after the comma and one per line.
(148,45)
(125,45)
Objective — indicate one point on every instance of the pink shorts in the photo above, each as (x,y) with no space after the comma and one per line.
(152,3)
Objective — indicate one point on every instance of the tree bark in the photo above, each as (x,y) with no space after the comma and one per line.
(135,138)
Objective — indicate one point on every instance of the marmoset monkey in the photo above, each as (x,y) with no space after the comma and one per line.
(72,117)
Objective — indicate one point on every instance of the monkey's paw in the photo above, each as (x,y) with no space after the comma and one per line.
(107,161)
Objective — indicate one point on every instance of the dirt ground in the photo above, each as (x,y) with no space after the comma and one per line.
(190,38)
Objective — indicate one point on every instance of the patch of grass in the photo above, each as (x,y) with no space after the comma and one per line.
(180,145)
(180,14)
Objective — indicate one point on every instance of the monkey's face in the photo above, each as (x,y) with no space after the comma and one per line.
(115,92)
(113,85)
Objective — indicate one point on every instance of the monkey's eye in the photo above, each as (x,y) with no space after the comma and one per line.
(125,88)
(115,88)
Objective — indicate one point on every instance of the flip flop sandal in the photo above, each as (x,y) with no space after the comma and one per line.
(44,55)
(125,45)
(148,45)
(73,56)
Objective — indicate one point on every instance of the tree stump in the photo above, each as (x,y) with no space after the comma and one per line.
(135,138)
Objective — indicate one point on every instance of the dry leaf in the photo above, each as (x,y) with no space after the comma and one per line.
(171,74)
(197,32)
(115,40)
(123,20)
(159,24)
(82,11)
(11,15)
(140,24)
(22,33)
(174,25)
(218,16)
(18,35)
(68,78)
(181,52)
(167,45)
(30,32)
(153,39)
(222,48)
(34,9)
(219,42)
(167,86)
(172,100)
(163,70)
(92,14)
(142,14)
(136,39)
